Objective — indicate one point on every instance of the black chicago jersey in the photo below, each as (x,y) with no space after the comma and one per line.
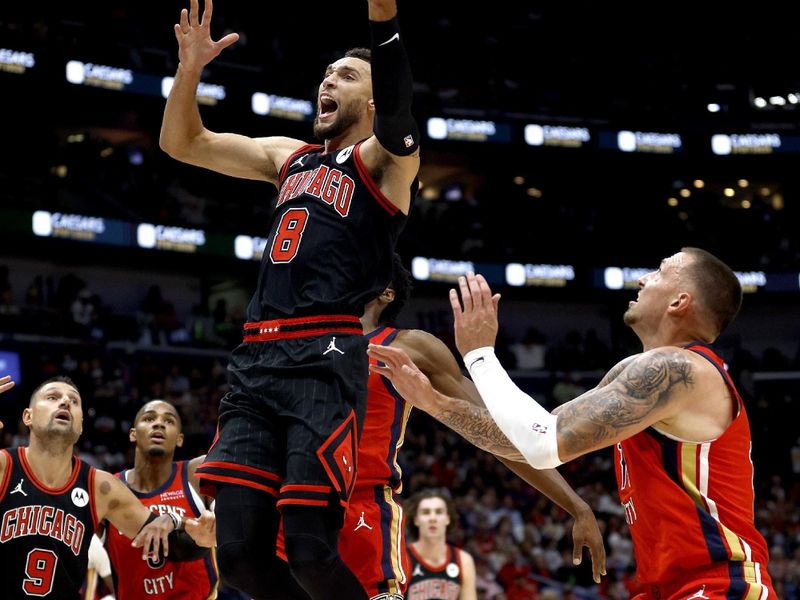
(45,533)
(330,245)
(435,583)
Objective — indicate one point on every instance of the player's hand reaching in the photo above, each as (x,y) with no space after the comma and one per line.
(203,529)
(476,323)
(152,538)
(407,379)
(195,47)
(585,532)
(5,385)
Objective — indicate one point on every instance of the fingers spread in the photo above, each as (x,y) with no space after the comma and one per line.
(194,9)
(466,297)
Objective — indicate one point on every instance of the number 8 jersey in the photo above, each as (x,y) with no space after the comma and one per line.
(45,532)
(330,245)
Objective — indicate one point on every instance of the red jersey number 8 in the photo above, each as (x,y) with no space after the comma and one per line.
(288,235)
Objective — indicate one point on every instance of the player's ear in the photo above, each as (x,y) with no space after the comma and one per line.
(27,417)
(132,435)
(179,443)
(388,295)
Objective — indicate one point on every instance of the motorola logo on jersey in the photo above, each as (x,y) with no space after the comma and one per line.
(79,497)
(326,183)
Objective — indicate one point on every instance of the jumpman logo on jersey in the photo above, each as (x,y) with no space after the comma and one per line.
(362,523)
(417,571)
(332,347)
(18,489)
(699,594)
(299,161)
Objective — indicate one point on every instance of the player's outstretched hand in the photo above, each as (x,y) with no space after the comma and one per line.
(476,322)
(203,529)
(195,47)
(407,379)
(152,538)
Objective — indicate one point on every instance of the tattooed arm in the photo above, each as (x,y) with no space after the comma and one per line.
(637,393)
(458,405)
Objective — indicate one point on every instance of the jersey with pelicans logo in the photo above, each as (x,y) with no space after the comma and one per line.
(384,426)
(329,249)
(435,583)
(690,505)
(45,532)
(162,580)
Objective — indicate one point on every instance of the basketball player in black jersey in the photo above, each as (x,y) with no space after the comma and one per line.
(51,503)
(439,571)
(288,430)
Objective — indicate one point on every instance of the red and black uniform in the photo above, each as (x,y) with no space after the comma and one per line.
(371,542)
(158,578)
(435,583)
(45,532)
(689,506)
(290,424)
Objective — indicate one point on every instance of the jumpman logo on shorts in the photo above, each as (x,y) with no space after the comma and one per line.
(699,594)
(362,523)
(18,489)
(332,347)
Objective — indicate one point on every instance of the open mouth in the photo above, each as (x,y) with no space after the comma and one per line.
(327,107)
(63,416)
(158,437)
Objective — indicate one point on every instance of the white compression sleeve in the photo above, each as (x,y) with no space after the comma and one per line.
(523,420)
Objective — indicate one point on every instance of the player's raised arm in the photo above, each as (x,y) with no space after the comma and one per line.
(393,152)
(183,135)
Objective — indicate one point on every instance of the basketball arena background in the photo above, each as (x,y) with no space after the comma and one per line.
(566,151)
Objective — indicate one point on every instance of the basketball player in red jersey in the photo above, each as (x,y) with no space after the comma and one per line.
(162,485)
(51,503)
(289,427)
(672,413)
(372,542)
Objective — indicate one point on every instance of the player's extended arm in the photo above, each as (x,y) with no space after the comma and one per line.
(183,135)
(116,503)
(646,390)
(392,154)
(464,412)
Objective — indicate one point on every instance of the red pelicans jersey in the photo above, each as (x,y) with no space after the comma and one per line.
(135,578)
(371,542)
(384,426)
(689,506)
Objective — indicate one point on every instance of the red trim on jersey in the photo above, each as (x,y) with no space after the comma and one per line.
(303,501)
(282,329)
(236,467)
(288,161)
(447,559)
(6,475)
(48,490)
(238,481)
(300,487)
(92,505)
(370,182)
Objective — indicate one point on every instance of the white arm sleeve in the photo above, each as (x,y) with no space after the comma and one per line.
(98,557)
(523,420)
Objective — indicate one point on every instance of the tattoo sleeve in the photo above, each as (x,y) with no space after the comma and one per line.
(475,424)
(633,393)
